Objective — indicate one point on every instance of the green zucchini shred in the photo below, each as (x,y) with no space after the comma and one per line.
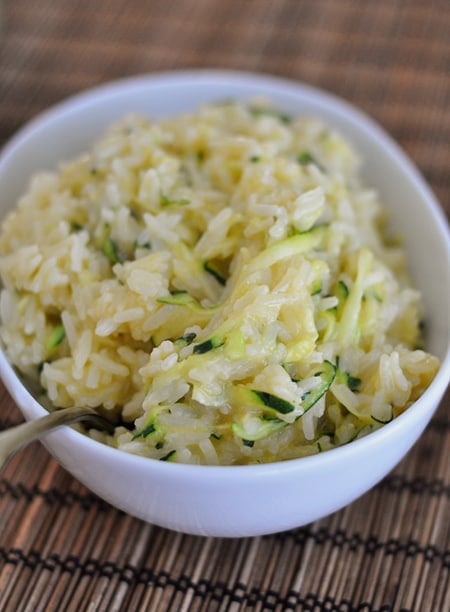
(342,290)
(273,401)
(327,374)
(169,456)
(344,377)
(261,111)
(184,298)
(214,273)
(165,201)
(109,247)
(305,157)
(145,431)
(266,428)
(381,421)
(296,244)
(178,298)
(375,295)
(353,383)
(269,424)
(207,345)
(348,330)
(142,245)
(186,339)
(55,337)
(317,289)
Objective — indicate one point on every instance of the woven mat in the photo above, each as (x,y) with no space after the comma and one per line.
(62,548)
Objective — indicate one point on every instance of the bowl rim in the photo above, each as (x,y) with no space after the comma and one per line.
(194,77)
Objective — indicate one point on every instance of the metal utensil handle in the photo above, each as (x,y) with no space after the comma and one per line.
(12,439)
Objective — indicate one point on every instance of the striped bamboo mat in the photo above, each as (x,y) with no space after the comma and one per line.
(62,548)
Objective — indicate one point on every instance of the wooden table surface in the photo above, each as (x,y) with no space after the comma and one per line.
(62,548)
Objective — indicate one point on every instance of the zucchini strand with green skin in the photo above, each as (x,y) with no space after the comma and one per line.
(142,245)
(275,402)
(109,248)
(207,345)
(343,377)
(268,424)
(316,289)
(305,157)
(150,428)
(265,429)
(214,273)
(146,431)
(261,111)
(186,339)
(342,291)
(169,456)
(184,298)
(289,247)
(347,329)
(165,201)
(353,383)
(178,298)
(381,421)
(327,375)
(55,337)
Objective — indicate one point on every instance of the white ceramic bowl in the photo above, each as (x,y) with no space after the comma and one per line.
(257,499)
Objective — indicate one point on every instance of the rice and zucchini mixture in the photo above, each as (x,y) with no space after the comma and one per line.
(220,282)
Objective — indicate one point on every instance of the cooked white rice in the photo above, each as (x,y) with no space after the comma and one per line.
(220,283)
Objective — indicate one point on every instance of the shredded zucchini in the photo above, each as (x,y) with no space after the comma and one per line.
(55,338)
(225,285)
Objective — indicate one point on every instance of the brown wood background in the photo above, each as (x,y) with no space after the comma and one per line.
(61,548)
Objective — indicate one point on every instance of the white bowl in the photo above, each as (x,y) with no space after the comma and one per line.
(256,499)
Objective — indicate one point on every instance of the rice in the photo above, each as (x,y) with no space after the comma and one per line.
(220,283)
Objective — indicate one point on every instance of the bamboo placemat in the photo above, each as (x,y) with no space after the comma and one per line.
(62,548)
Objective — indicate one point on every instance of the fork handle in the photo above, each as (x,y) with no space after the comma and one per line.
(12,439)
